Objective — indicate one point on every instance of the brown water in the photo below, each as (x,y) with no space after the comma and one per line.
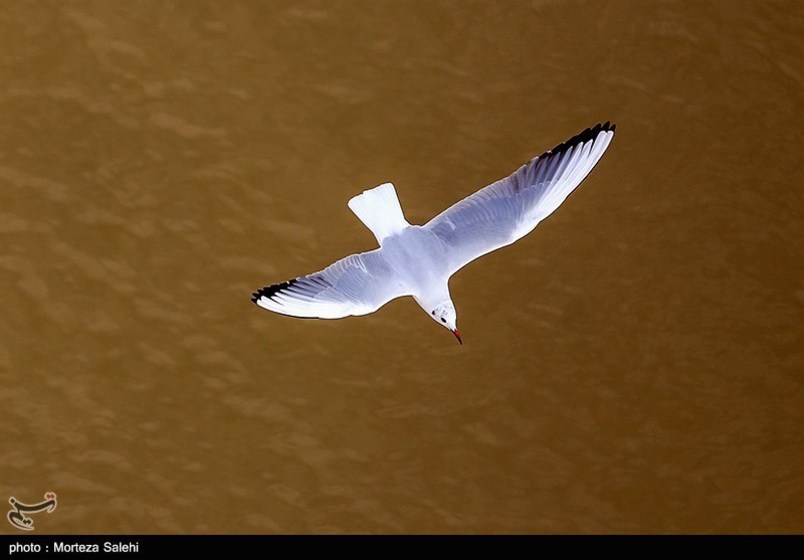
(633,365)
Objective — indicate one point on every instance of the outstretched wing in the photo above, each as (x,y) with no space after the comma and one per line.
(509,209)
(356,285)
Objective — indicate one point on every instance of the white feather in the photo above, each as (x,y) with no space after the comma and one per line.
(380,211)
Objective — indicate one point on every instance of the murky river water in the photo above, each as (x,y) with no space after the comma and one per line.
(633,365)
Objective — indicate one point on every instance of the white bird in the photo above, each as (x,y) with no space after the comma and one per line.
(419,260)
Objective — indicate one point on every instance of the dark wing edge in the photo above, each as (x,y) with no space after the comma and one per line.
(356,285)
(272,290)
(508,209)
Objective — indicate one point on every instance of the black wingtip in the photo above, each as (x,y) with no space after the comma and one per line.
(607,126)
(269,291)
(582,137)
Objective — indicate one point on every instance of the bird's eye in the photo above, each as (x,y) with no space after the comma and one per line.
(443,320)
(432,312)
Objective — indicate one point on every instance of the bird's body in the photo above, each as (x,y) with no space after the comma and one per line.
(419,260)
(416,255)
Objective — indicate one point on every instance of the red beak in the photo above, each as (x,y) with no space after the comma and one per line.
(457,335)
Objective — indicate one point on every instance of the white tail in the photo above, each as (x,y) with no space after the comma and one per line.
(379,210)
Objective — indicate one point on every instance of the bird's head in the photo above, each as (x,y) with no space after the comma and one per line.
(444,314)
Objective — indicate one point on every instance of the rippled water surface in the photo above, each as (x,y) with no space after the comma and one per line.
(633,365)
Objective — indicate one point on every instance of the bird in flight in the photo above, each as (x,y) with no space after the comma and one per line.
(418,261)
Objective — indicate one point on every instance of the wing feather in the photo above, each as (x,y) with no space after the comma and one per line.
(509,209)
(356,285)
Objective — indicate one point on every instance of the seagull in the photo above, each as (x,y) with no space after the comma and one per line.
(417,260)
